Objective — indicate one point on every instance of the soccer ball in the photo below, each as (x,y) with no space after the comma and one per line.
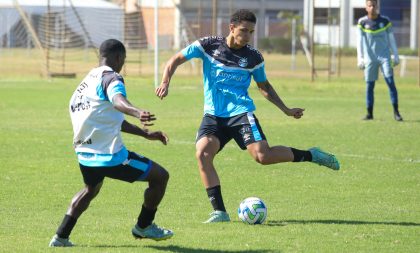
(252,211)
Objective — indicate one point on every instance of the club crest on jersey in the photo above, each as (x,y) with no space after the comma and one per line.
(381,25)
(243,62)
(216,52)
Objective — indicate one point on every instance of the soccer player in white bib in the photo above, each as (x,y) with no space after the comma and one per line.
(375,40)
(97,110)
(229,64)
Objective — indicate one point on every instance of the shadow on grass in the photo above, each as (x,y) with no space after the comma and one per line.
(340,222)
(172,248)
(107,246)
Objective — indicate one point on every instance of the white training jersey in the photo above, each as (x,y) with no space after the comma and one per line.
(96,123)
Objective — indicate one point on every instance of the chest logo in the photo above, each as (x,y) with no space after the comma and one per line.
(381,25)
(243,62)
(216,53)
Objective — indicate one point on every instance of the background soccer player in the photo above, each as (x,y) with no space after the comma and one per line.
(97,110)
(375,41)
(228,66)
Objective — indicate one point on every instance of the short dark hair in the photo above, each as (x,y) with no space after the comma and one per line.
(243,15)
(111,47)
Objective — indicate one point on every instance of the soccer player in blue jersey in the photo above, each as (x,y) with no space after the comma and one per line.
(97,110)
(375,40)
(228,66)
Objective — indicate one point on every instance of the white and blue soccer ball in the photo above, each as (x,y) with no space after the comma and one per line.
(252,211)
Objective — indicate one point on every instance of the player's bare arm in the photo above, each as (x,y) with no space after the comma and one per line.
(127,127)
(124,106)
(171,66)
(271,95)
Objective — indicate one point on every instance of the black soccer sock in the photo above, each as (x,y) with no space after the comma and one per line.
(370,111)
(301,155)
(216,199)
(395,106)
(66,226)
(146,217)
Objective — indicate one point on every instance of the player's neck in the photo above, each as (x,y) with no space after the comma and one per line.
(230,41)
(373,15)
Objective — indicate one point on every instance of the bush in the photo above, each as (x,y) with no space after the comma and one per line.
(408,51)
(276,44)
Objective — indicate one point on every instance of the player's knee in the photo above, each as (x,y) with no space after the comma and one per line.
(261,158)
(91,192)
(164,176)
(202,155)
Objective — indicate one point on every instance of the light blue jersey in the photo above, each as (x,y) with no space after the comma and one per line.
(375,43)
(227,75)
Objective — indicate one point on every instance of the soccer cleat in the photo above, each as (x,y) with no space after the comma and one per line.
(151,232)
(218,216)
(368,117)
(398,117)
(325,159)
(60,242)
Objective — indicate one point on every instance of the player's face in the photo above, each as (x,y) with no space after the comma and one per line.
(242,32)
(120,62)
(371,7)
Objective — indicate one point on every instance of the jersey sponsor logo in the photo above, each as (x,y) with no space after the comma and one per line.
(229,76)
(80,142)
(243,62)
(83,105)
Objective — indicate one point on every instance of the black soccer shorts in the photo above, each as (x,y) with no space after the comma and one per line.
(243,128)
(135,168)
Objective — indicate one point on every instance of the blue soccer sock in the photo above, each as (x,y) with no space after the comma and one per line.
(370,99)
(393,93)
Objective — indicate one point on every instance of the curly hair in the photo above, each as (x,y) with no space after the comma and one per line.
(243,15)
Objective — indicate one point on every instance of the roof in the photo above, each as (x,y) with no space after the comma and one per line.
(59,3)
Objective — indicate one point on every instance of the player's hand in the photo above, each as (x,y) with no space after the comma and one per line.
(396,61)
(162,90)
(361,64)
(146,118)
(157,136)
(297,113)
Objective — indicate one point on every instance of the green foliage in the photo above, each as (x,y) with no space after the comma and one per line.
(408,51)
(371,205)
(275,44)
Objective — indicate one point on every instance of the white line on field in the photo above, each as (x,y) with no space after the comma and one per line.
(408,160)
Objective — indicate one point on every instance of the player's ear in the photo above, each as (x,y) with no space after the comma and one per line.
(231,27)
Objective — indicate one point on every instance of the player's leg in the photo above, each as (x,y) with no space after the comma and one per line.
(206,149)
(209,141)
(371,74)
(393,93)
(370,86)
(140,168)
(79,203)
(248,134)
(264,154)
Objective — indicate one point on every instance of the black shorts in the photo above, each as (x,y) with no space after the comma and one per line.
(243,128)
(135,168)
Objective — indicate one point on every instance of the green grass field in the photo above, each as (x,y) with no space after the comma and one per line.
(371,205)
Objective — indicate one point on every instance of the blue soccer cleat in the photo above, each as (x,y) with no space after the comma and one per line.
(60,242)
(151,232)
(218,216)
(325,159)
